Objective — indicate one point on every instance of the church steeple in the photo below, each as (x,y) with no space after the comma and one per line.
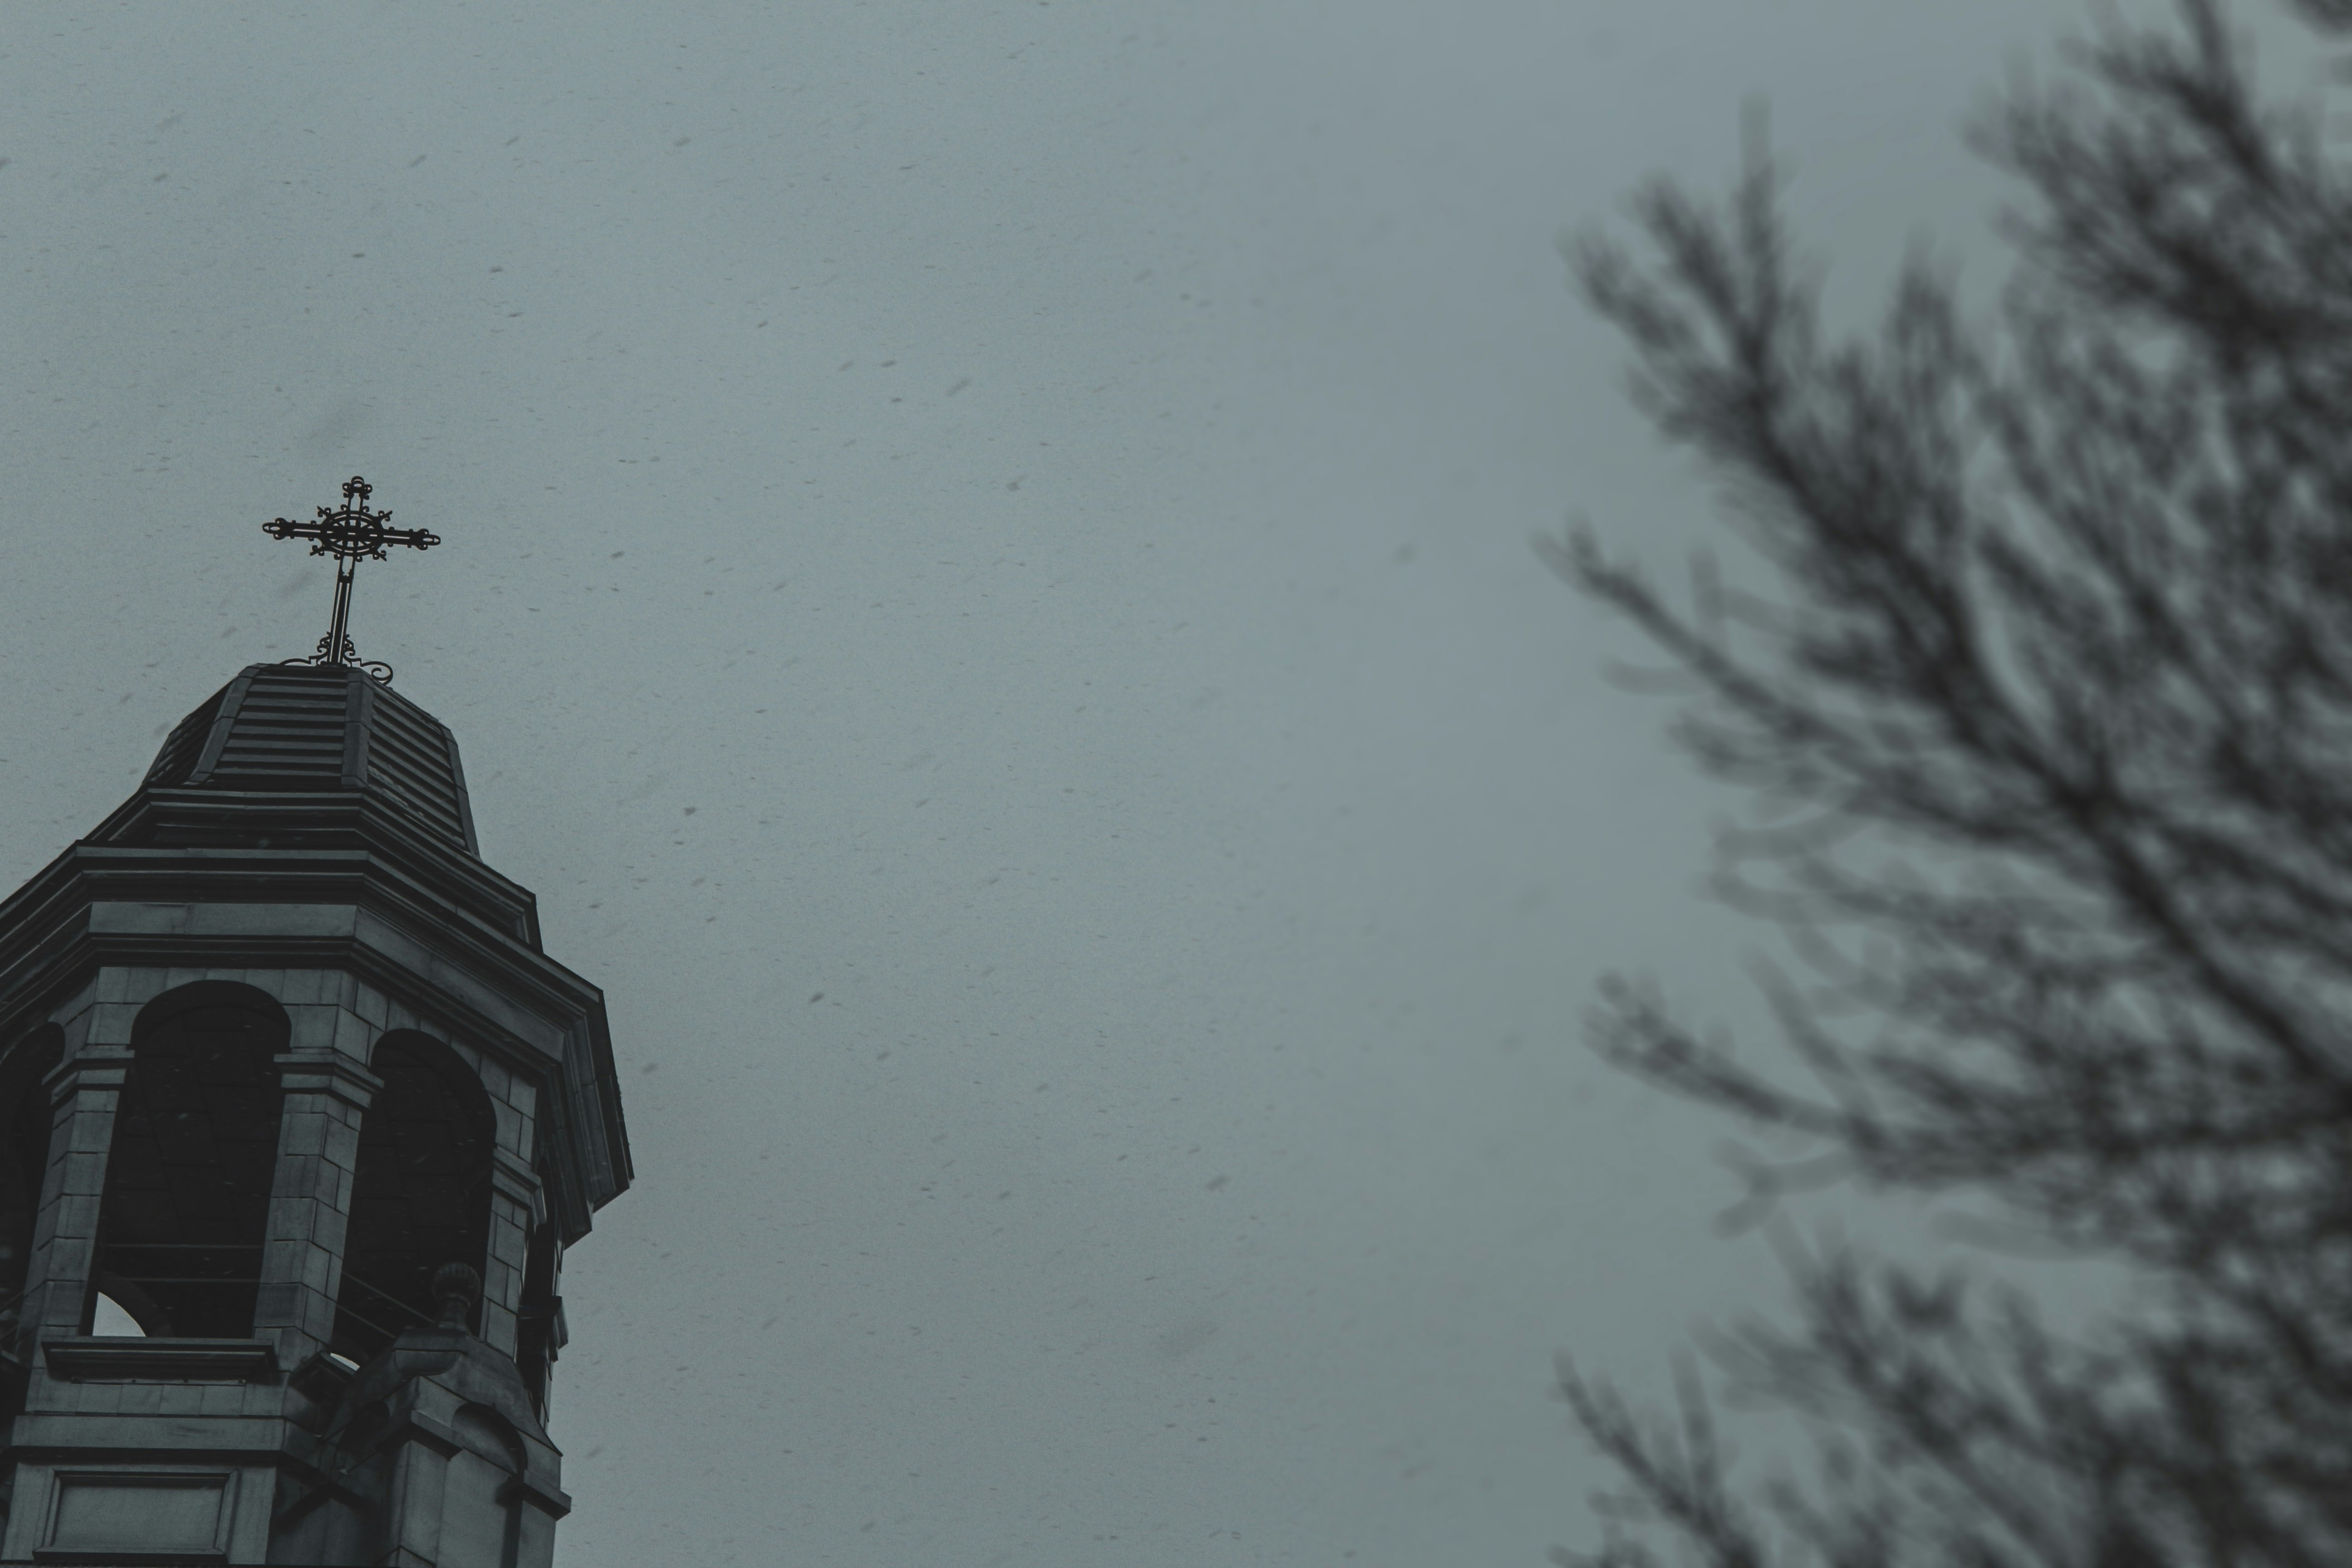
(285,1076)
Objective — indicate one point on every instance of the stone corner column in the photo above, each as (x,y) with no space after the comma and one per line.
(85,1091)
(516,1205)
(327,1092)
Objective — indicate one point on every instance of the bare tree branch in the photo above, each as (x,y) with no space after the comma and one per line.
(2055,715)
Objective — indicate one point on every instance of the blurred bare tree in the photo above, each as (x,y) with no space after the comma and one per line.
(2054,709)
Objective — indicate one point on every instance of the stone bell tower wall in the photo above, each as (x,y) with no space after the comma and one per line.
(169,1435)
(286,1073)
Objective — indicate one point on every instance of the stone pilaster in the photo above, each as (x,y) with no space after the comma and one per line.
(327,1092)
(515,1205)
(85,1090)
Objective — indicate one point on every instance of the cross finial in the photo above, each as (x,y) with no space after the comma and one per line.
(351,533)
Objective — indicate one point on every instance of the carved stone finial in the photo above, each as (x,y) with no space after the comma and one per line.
(456,1289)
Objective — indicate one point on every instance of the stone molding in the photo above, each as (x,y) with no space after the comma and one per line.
(514,1177)
(94,1067)
(112,1358)
(324,1070)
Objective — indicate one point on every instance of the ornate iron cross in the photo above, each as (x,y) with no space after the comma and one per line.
(351,533)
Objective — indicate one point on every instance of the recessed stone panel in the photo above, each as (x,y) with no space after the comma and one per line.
(111,1512)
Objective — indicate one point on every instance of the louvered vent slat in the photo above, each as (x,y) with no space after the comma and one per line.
(408,758)
(412,775)
(181,747)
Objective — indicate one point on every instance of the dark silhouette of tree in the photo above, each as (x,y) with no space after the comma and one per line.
(2053,715)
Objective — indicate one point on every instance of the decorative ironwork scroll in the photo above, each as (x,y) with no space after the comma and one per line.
(351,533)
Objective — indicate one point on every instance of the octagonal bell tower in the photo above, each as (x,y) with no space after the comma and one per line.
(285,1076)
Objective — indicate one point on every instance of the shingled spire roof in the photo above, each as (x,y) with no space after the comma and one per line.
(319,728)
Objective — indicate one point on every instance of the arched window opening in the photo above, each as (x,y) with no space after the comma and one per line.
(111,1317)
(188,1175)
(24,1159)
(421,1196)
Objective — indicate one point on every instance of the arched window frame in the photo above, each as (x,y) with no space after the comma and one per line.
(170,1284)
(387,1285)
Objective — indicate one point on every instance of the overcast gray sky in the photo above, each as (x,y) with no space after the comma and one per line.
(987,588)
